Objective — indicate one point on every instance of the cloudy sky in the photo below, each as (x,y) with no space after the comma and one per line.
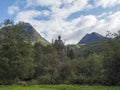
(71,19)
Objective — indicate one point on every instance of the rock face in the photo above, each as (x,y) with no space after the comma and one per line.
(36,36)
(91,38)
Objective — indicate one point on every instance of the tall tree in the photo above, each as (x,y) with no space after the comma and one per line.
(112,61)
(16,54)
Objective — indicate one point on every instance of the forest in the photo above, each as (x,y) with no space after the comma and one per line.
(22,61)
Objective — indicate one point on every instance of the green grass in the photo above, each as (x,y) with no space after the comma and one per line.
(58,87)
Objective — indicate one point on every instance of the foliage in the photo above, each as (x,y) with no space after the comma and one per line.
(16,54)
(112,63)
(22,61)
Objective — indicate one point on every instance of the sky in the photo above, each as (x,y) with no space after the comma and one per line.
(71,19)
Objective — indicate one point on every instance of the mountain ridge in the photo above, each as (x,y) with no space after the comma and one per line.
(91,38)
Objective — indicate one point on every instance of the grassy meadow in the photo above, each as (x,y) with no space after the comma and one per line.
(58,87)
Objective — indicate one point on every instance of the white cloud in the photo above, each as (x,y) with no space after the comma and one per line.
(106,3)
(60,8)
(102,15)
(27,15)
(114,21)
(90,23)
(43,3)
(71,31)
(69,8)
(13,9)
(110,23)
(86,21)
(45,12)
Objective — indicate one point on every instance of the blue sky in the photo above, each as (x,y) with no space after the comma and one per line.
(71,19)
(4,8)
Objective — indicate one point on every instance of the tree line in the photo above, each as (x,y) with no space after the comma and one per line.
(21,60)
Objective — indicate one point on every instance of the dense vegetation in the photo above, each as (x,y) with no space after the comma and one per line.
(22,61)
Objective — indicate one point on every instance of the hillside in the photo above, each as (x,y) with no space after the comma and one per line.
(36,36)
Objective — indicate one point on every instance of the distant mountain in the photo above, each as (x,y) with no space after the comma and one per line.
(36,36)
(91,38)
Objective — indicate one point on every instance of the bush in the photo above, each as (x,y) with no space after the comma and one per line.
(44,79)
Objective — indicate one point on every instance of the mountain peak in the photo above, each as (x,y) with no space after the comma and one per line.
(94,33)
(36,36)
(90,38)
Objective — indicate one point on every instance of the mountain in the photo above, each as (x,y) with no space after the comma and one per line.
(91,38)
(36,36)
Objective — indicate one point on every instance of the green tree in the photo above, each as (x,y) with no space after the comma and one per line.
(112,62)
(66,74)
(16,54)
(88,70)
(47,63)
